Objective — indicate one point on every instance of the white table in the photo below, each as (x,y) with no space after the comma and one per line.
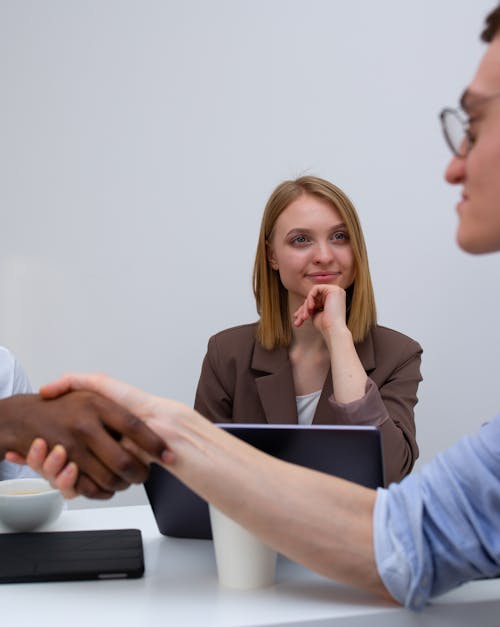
(180,589)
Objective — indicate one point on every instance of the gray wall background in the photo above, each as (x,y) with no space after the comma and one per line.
(140,140)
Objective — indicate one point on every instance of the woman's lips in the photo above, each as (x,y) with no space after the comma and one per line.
(323,277)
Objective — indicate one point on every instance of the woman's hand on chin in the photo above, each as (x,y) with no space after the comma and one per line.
(326,306)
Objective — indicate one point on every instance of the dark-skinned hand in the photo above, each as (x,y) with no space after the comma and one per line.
(90,428)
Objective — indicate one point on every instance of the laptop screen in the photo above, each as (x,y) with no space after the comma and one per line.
(350,452)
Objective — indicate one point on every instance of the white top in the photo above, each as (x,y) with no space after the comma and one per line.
(306,407)
(13,380)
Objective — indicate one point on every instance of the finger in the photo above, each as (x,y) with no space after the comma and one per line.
(297,312)
(92,443)
(37,454)
(317,304)
(305,310)
(98,473)
(15,458)
(299,316)
(126,415)
(318,296)
(298,322)
(54,463)
(85,486)
(167,459)
(66,480)
(56,388)
(115,419)
(311,301)
(119,460)
(120,463)
(130,446)
(134,399)
(304,315)
(137,402)
(102,457)
(85,452)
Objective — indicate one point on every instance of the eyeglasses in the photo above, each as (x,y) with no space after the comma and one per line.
(455,124)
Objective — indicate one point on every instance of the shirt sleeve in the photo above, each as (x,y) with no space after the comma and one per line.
(13,380)
(368,410)
(440,527)
(21,382)
(389,402)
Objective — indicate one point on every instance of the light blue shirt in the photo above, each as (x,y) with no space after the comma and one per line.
(13,380)
(441,527)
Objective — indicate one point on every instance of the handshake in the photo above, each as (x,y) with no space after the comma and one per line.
(108,445)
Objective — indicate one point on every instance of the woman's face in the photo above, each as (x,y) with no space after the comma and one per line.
(310,246)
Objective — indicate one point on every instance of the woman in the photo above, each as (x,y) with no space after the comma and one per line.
(316,355)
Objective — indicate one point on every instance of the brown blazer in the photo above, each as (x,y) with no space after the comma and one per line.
(241,381)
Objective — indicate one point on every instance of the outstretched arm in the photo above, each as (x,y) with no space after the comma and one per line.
(318,520)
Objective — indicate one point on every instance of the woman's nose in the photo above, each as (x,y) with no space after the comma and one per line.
(455,172)
(323,253)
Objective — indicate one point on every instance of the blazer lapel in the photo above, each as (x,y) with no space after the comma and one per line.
(274,381)
(322,415)
(366,354)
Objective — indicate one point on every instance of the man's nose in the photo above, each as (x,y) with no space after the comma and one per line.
(455,172)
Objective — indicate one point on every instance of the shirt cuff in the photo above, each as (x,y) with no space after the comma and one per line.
(389,558)
(367,410)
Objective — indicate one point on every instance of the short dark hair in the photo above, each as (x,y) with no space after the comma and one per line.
(492,26)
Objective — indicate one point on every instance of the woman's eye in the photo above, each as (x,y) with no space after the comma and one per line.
(340,236)
(300,240)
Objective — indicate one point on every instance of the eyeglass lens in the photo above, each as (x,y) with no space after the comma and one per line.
(454,132)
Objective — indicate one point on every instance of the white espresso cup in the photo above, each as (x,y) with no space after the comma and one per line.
(243,561)
(27,504)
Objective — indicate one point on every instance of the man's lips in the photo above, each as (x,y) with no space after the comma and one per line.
(463,199)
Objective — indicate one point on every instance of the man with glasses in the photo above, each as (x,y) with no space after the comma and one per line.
(428,534)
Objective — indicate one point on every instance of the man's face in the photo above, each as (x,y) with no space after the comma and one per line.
(479,173)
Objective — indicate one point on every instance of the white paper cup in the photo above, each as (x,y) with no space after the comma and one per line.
(243,561)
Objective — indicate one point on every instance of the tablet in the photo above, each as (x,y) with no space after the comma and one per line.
(350,452)
(71,555)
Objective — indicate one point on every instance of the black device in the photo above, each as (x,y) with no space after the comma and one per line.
(71,555)
(350,452)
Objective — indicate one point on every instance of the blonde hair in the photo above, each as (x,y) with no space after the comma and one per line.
(274,328)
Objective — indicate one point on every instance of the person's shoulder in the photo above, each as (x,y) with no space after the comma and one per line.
(13,379)
(6,354)
(233,346)
(241,333)
(391,338)
(7,363)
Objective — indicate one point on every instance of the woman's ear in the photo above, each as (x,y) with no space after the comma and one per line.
(270,256)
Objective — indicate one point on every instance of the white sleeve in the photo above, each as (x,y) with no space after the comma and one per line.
(13,380)
(21,383)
